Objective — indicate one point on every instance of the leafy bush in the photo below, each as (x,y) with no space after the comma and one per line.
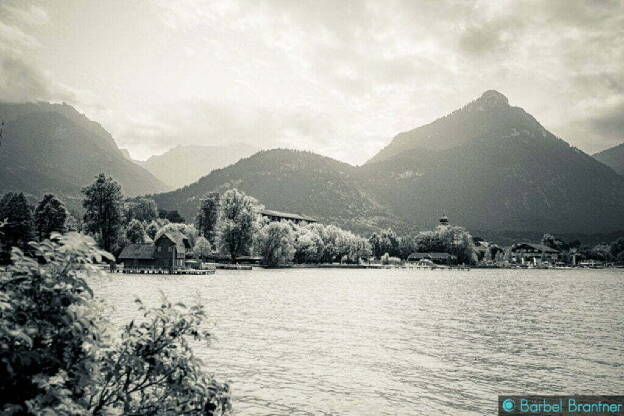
(153,370)
(387,259)
(56,357)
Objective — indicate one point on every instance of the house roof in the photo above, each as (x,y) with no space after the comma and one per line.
(141,251)
(540,247)
(418,256)
(180,240)
(287,215)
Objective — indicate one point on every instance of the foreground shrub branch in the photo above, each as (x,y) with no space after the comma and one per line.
(56,353)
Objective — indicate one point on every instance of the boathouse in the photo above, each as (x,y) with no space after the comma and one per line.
(168,252)
(286,216)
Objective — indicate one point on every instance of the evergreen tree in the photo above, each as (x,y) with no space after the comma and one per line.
(17,224)
(208,216)
(50,216)
(104,210)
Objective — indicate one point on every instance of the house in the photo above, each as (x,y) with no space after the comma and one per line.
(168,252)
(437,258)
(532,253)
(286,216)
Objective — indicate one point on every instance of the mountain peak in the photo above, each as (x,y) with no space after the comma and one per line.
(493,98)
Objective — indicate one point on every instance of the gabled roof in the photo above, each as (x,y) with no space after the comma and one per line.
(140,251)
(540,247)
(182,243)
(287,215)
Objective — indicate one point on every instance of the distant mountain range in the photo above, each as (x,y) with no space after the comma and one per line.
(53,148)
(613,157)
(488,166)
(183,165)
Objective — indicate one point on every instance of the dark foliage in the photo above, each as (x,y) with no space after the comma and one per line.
(50,216)
(17,224)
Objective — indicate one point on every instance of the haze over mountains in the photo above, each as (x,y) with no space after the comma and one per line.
(53,148)
(489,166)
(613,157)
(183,165)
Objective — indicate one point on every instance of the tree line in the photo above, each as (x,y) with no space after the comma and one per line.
(230,225)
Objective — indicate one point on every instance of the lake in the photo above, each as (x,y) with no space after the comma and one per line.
(398,342)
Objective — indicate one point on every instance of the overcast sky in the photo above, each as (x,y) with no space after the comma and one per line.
(340,78)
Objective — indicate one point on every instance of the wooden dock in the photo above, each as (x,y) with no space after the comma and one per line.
(147,270)
(226,266)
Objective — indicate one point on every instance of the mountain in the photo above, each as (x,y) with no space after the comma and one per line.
(492,166)
(53,148)
(183,165)
(613,157)
(293,181)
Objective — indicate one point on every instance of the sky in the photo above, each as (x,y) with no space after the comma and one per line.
(339,78)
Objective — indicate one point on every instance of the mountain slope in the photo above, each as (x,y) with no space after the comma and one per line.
(183,165)
(613,157)
(53,148)
(293,181)
(490,166)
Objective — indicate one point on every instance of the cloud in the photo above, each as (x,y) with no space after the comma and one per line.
(610,123)
(20,79)
(339,78)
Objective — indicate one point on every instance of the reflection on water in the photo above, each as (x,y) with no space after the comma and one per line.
(393,342)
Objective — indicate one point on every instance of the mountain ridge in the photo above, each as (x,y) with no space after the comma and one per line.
(612,157)
(53,148)
(183,165)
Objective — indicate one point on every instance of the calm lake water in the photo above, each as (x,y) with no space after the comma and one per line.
(395,342)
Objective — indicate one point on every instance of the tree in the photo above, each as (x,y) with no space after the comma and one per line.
(135,233)
(555,243)
(407,246)
(50,216)
(104,210)
(601,252)
(359,248)
(617,247)
(275,243)
(239,216)
(208,216)
(375,242)
(17,229)
(308,245)
(458,242)
(171,216)
(142,209)
(389,243)
(202,248)
(152,229)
